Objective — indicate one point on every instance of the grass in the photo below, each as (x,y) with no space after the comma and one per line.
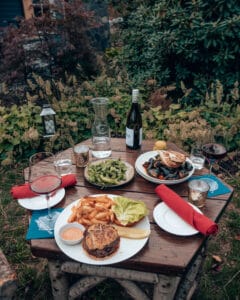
(218,281)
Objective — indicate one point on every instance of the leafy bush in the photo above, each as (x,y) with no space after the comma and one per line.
(18,132)
(215,119)
(21,127)
(191,41)
(59,41)
(21,131)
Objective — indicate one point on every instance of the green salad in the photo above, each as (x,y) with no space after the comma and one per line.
(107,173)
(128,210)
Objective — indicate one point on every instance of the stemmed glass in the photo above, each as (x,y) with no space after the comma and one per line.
(214,152)
(44,179)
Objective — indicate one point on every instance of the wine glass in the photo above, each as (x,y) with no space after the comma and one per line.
(44,179)
(214,152)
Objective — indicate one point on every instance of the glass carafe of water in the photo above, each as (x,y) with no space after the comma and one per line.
(101,140)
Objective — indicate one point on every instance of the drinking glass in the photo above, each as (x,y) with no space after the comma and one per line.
(63,163)
(101,133)
(197,192)
(214,152)
(81,155)
(197,157)
(44,179)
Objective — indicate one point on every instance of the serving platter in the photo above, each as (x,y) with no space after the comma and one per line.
(130,172)
(142,171)
(169,221)
(127,248)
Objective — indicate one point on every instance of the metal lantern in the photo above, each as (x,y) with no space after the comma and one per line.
(48,120)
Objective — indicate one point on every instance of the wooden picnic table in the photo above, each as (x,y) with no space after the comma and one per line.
(170,263)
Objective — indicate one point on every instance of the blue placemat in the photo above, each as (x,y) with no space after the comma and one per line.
(216,185)
(38,229)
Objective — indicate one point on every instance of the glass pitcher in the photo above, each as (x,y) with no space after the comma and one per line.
(101,139)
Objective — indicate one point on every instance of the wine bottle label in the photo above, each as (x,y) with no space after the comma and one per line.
(130,137)
(140,136)
(135,94)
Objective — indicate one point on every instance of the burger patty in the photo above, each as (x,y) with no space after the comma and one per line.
(101,240)
(106,251)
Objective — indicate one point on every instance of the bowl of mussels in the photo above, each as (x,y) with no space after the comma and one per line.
(164,166)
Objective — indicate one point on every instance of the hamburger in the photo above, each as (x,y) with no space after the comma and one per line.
(127,211)
(100,240)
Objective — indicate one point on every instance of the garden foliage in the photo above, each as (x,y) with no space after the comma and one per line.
(195,42)
(21,131)
(186,52)
(181,45)
(56,42)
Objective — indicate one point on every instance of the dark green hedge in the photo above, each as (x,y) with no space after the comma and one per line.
(191,41)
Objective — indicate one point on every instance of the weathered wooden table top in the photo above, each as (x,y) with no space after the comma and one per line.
(164,253)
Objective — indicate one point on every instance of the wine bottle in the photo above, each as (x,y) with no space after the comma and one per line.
(134,123)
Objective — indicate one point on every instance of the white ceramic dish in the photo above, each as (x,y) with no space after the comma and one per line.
(169,221)
(40,202)
(70,226)
(129,173)
(127,248)
(142,172)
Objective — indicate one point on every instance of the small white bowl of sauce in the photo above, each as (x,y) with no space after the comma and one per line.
(72,233)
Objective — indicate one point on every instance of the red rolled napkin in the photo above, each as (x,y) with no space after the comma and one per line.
(24,191)
(186,211)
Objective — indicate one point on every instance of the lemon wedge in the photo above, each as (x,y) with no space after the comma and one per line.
(160,145)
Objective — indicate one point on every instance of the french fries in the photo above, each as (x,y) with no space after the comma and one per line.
(92,210)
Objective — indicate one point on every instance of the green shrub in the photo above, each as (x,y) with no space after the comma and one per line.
(18,132)
(191,41)
(21,131)
(215,119)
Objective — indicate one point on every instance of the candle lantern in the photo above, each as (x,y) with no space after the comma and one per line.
(48,120)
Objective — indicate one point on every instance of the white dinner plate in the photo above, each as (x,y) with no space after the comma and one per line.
(40,202)
(169,221)
(127,248)
(142,171)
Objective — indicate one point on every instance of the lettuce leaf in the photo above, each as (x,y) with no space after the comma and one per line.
(128,210)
